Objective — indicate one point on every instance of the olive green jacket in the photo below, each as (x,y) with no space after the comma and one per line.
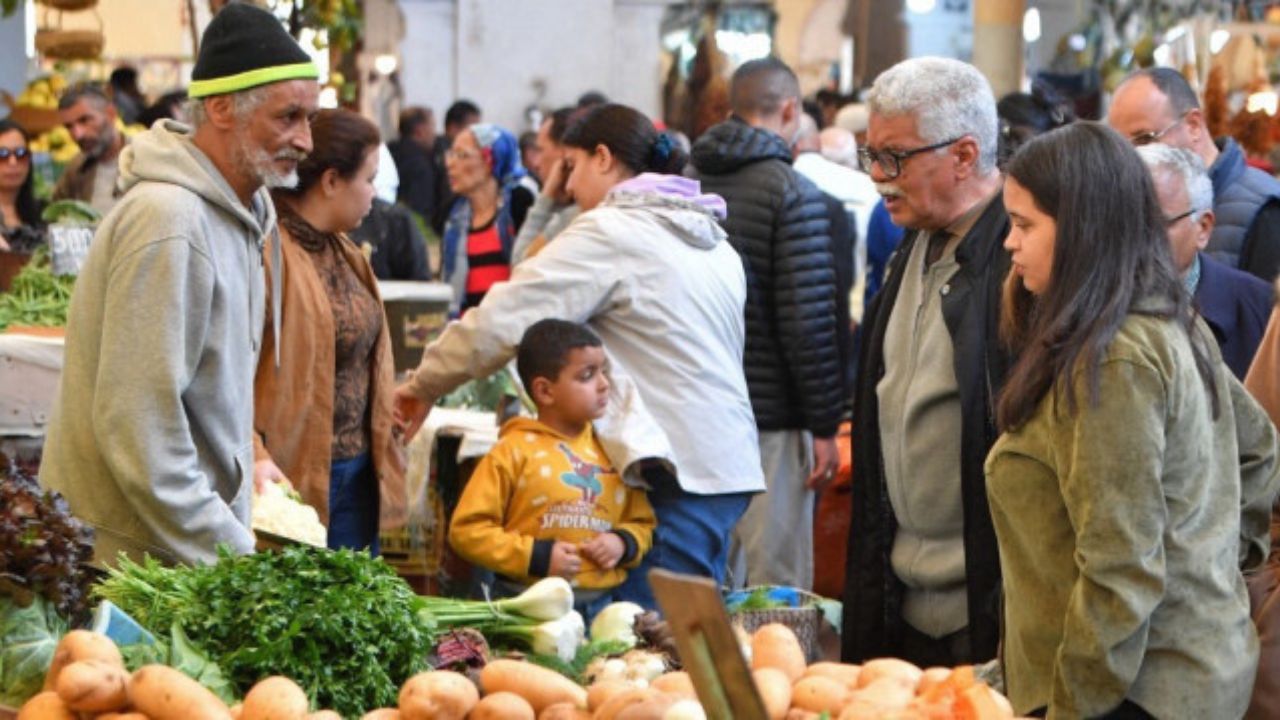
(1123,529)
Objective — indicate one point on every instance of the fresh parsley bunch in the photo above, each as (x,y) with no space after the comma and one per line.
(339,623)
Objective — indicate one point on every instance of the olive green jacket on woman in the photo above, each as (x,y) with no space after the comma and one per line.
(1123,529)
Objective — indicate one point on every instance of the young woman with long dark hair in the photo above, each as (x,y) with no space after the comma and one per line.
(1120,499)
(323,410)
(20,225)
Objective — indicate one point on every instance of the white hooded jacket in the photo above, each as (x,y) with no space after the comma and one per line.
(651,273)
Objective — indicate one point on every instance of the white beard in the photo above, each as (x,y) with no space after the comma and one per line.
(256,163)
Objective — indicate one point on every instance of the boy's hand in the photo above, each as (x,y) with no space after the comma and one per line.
(605,550)
(564,560)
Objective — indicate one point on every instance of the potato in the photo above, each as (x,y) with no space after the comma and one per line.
(122,716)
(776,646)
(775,691)
(437,695)
(685,710)
(651,709)
(162,693)
(564,711)
(900,670)
(600,692)
(236,710)
(932,678)
(620,701)
(541,687)
(382,714)
(93,686)
(81,645)
(276,698)
(676,683)
(324,715)
(502,706)
(819,694)
(45,706)
(886,696)
(843,673)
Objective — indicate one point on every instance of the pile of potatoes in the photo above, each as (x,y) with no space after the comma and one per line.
(88,681)
(877,689)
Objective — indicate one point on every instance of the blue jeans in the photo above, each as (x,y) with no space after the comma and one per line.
(692,535)
(353,504)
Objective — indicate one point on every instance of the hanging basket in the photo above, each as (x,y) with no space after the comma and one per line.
(68,5)
(54,42)
(70,44)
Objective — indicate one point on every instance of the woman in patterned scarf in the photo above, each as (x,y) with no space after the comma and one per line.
(484,172)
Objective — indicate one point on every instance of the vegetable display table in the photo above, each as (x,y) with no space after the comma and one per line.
(29,369)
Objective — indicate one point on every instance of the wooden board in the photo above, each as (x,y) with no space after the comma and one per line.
(709,650)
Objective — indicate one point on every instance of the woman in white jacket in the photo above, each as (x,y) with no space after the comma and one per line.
(647,267)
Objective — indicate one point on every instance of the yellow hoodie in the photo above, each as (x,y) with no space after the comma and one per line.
(537,486)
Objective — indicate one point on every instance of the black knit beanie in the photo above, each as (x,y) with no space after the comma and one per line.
(244,47)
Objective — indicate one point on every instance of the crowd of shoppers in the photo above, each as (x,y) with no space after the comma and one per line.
(1055,461)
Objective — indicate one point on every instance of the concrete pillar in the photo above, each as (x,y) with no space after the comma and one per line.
(13,61)
(997,42)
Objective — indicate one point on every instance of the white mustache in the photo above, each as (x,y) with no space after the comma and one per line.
(293,155)
(888,190)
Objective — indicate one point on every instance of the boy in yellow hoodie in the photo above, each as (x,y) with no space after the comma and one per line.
(546,500)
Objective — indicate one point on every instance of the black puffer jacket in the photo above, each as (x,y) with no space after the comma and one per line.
(778,224)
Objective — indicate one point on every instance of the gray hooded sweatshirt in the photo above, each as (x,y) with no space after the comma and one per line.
(151,438)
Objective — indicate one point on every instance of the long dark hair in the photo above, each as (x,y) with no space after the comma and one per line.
(341,141)
(1110,253)
(28,208)
(630,136)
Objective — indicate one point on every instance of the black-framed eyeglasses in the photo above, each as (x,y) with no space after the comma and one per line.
(1148,137)
(18,154)
(890,161)
(1170,222)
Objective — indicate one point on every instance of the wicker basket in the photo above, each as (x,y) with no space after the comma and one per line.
(803,621)
(70,44)
(68,5)
(36,121)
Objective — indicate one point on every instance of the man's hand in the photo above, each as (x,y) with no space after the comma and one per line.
(410,412)
(266,471)
(554,187)
(605,550)
(564,560)
(826,460)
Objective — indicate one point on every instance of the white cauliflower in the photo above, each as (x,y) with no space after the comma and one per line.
(279,510)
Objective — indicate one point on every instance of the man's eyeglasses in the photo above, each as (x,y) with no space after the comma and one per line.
(1170,222)
(18,154)
(1148,137)
(890,161)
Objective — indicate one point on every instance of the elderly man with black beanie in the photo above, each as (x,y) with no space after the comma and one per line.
(152,435)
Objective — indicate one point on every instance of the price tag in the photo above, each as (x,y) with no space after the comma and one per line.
(708,648)
(68,246)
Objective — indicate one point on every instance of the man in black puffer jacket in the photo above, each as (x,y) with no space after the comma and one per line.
(778,223)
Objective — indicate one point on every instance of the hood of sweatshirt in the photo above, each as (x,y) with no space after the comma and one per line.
(726,147)
(521,424)
(166,154)
(675,202)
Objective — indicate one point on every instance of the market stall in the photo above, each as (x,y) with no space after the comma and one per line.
(311,633)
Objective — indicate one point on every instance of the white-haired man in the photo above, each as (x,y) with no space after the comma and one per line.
(152,437)
(923,577)
(1235,304)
